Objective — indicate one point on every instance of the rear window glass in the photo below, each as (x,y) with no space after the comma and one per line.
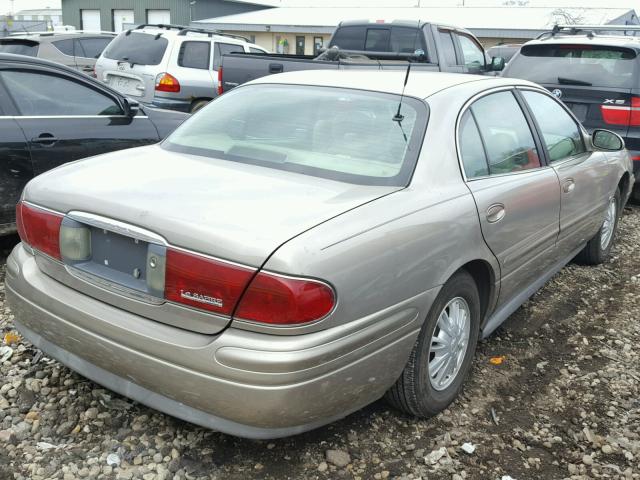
(65,46)
(137,48)
(256,50)
(588,65)
(195,55)
(405,40)
(377,40)
(224,49)
(91,47)
(19,48)
(349,38)
(339,134)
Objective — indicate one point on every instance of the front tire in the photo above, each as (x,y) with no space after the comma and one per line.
(598,249)
(443,353)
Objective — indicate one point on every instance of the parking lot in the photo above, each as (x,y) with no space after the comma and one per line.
(555,393)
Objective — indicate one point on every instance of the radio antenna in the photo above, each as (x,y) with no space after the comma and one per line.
(398,117)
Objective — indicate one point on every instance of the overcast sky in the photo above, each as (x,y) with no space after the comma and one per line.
(5,5)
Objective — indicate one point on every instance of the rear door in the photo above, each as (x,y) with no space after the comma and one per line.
(594,81)
(517,195)
(193,68)
(586,178)
(15,165)
(65,118)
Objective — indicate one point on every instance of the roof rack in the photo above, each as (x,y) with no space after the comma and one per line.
(164,26)
(211,33)
(62,32)
(589,30)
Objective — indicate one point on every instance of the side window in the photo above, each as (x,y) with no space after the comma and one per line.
(505,134)
(472,53)
(448,50)
(194,55)
(92,47)
(222,49)
(349,38)
(377,40)
(559,131)
(41,94)
(471,148)
(64,46)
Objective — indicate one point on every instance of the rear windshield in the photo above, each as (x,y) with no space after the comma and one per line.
(19,48)
(379,39)
(137,48)
(339,134)
(589,65)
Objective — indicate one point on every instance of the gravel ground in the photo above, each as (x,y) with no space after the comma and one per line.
(555,393)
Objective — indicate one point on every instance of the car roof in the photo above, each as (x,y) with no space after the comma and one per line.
(52,36)
(598,40)
(419,85)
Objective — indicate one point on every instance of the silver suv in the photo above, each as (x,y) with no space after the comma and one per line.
(75,49)
(168,66)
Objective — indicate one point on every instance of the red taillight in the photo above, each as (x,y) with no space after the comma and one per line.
(165,82)
(621,114)
(279,300)
(204,282)
(220,84)
(40,229)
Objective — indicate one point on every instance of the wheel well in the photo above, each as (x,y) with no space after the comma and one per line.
(484,277)
(623,184)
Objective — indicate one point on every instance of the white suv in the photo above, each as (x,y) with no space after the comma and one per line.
(168,66)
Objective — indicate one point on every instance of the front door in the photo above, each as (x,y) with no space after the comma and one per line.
(517,196)
(585,178)
(65,119)
(300,45)
(15,167)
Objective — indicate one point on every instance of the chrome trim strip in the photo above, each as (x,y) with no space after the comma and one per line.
(116,226)
(39,117)
(113,287)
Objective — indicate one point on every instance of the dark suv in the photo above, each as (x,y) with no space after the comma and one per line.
(595,71)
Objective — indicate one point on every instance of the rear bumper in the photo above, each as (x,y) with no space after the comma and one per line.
(238,382)
(170,104)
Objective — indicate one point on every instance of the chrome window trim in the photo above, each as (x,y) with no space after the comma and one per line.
(39,117)
(581,128)
(463,110)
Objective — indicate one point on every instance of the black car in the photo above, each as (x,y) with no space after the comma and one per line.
(596,72)
(51,114)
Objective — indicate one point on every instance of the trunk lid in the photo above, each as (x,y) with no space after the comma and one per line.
(131,63)
(235,212)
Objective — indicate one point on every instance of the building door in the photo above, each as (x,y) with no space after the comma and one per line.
(300,45)
(121,19)
(318,44)
(90,20)
(159,17)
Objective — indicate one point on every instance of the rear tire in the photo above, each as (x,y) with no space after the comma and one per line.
(635,194)
(422,389)
(197,105)
(598,249)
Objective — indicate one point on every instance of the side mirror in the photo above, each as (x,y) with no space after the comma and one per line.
(132,107)
(607,140)
(497,64)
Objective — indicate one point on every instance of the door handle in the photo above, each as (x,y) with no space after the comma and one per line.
(276,68)
(568,186)
(45,139)
(495,213)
